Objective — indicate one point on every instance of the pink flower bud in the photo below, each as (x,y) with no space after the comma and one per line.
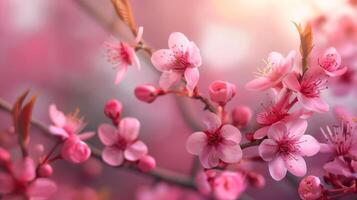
(221,92)
(113,109)
(75,150)
(310,188)
(45,170)
(146,93)
(4,155)
(241,115)
(146,163)
(24,169)
(229,185)
(249,136)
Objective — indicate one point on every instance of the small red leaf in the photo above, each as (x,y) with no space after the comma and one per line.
(16,110)
(25,121)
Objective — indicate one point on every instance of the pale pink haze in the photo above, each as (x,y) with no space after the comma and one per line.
(218,142)
(285,148)
(308,89)
(121,143)
(277,67)
(122,55)
(181,59)
(221,92)
(330,62)
(228,185)
(310,188)
(146,93)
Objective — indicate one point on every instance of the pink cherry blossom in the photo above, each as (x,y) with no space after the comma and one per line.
(221,92)
(308,89)
(122,55)
(113,109)
(41,188)
(75,150)
(330,61)
(277,67)
(146,93)
(67,125)
(218,142)
(228,185)
(310,188)
(285,147)
(181,59)
(121,143)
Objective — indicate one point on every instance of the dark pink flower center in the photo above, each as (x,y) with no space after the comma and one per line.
(287,147)
(215,138)
(121,144)
(312,89)
(329,63)
(124,54)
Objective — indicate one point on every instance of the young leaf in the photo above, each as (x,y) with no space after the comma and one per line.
(306,43)
(123,10)
(16,110)
(25,121)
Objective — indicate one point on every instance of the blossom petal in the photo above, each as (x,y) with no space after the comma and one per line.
(338,167)
(277,168)
(261,83)
(287,63)
(209,157)
(232,133)
(277,131)
(113,156)
(292,82)
(24,169)
(268,149)
(120,73)
(163,60)
(315,104)
(309,146)
(296,127)
(7,183)
(194,55)
(86,135)
(178,42)
(57,117)
(107,134)
(168,78)
(196,142)
(129,128)
(262,132)
(230,153)
(135,151)
(295,165)
(58,131)
(192,76)
(41,188)
(212,121)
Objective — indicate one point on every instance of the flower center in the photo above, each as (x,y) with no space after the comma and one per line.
(287,147)
(121,144)
(329,63)
(312,89)
(124,54)
(215,138)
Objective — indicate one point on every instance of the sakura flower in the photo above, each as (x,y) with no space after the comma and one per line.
(229,185)
(181,59)
(122,55)
(277,67)
(218,142)
(75,150)
(310,188)
(308,89)
(330,61)
(285,147)
(121,143)
(221,92)
(67,125)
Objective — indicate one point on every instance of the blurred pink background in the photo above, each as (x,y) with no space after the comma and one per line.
(55,48)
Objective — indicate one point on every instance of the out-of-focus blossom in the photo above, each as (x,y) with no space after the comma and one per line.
(285,147)
(75,150)
(221,92)
(4,155)
(121,143)
(330,62)
(146,163)
(255,179)
(122,55)
(45,170)
(113,109)
(277,67)
(241,116)
(24,169)
(308,89)
(92,167)
(7,183)
(8,138)
(146,93)
(67,125)
(310,188)
(181,59)
(228,185)
(161,191)
(218,142)
(345,83)
(343,166)
(41,188)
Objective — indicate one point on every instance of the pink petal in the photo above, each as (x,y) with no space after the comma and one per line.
(275,58)
(58,131)
(295,165)
(42,188)
(136,62)
(314,104)
(287,63)
(308,145)
(229,153)
(168,78)
(139,35)
(261,83)
(7,183)
(277,131)
(86,135)
(209,157)
(24,169)
(292,82)
(296,127)
(57,117)
(192,76)
(178,42)
(120,73)
(196,142)
(338,72)
(212,121)
(231,133)
(129,128)
(326,148)
(262,132)
(194,55)
(113,156)
(107,134)
(277,168)
(338,167)
(163,60)
(268,149)
(135,151)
